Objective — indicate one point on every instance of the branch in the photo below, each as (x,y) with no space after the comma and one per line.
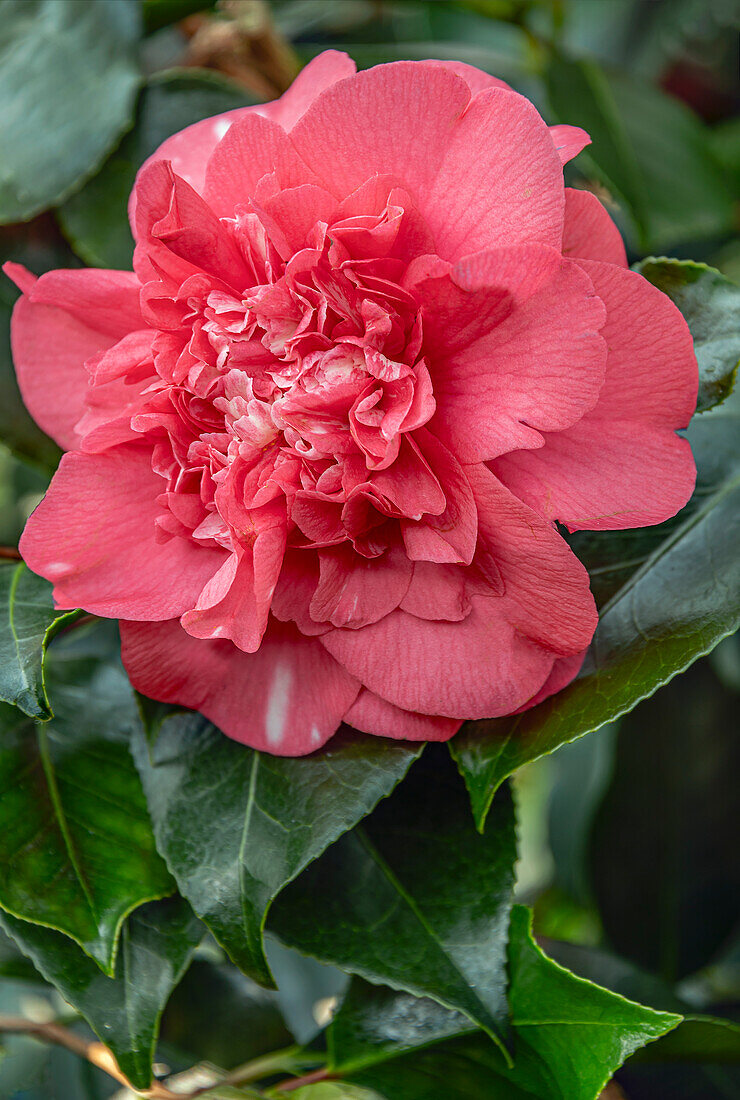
(95,1052)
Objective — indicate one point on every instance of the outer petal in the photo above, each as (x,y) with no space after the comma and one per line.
(371,714)
(564,670)
(392,120)
(288,698)
(569,141)
(93,535)
(622,465)
(501,654)
(478,668)
(63,319)
(476,79)
(501,182)
(190,149)
(588,231)
(254,147)
(539,363)
(353,591)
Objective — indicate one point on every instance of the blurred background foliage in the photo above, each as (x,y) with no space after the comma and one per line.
(628,838)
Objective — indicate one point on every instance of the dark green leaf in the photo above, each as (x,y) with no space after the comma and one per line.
(95,220)
(219,1015)
(76,846)
(157,942)
(236,825)
(335,1090)
(683,599)
(648,148)
(711,305)
(663,856)
(414,898)
(582,771)
(697,1039)
(68,81)
(28,622)
(568,1038)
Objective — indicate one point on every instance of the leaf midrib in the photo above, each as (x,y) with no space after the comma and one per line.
(56,802)
(395,882)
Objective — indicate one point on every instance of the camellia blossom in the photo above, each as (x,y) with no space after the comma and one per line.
(317,442)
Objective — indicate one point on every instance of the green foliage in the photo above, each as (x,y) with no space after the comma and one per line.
(435,894)
(68,84)
(648,148)
(76,846)
(123,1009)
(29,622)
(568,1037)
(95,220)
(236,825)
(365,855)
(667,891)
(711,306)
(654,626)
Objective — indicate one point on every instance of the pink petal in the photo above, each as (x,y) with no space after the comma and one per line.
(545,584)
(354,591)
(371,714)
(93,536)
(63,319)
(501,182)
(496,659)
(481,667)
(622,465)
(588,232)
(569,141)
(288,698)
(254,147)
(451,535)
(392,120)
(319,74)
(190,149)
(540,368)
(236,601)
(437,592)
(476,79)
(564,670)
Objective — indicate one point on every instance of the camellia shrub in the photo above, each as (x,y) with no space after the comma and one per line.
(372,437)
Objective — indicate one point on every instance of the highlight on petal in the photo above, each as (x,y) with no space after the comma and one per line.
(189,150)
(569,141)
(288,698)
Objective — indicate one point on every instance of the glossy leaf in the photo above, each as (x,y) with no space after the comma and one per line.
(681,601)
(28,622)
(414,898)
(68,78)
(648,148)
(236,825)
(123,1010)
(95,220)
(77,851)
(568,1038)
(711,305)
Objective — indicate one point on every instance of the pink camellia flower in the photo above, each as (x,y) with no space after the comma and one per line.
(372,349)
